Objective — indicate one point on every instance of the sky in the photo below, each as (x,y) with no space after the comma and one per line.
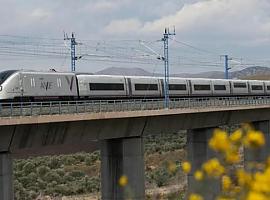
(239,28)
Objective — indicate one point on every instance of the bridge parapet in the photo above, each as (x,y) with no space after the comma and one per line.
(101,106)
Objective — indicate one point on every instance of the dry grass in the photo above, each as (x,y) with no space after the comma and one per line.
(257,77)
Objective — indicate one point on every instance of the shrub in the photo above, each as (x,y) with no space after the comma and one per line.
(68,160)
(53,176)
(160,176)
(54,163)
(77,174)
(42,171)
(28,168)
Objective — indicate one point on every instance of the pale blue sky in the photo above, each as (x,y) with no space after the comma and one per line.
(240,28)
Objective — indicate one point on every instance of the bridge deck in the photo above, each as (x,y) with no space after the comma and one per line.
(68,117)
(44,112)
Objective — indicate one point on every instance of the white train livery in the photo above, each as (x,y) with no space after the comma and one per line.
(21,85)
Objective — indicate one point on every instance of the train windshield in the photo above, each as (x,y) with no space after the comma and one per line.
(5,74)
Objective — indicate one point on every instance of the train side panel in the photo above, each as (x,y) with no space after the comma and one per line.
(256,87)
(95,86)
(267,87)
(145,87)
(200,87)
(221,87)
(48,84)
(239,87)
(39,85)
(178,87)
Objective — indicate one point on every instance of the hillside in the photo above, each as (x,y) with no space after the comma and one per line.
(255,72)
(124,71)
(247,72)
(257,77)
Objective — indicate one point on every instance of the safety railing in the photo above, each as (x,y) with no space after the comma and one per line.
(97,106)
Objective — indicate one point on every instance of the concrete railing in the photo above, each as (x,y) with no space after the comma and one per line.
(97,106)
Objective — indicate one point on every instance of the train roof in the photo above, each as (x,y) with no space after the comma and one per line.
(122,76)
(43,72)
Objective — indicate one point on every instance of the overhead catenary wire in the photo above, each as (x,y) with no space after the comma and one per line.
(193,47)
(127,52)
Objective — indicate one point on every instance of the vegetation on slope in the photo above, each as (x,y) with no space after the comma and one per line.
(79,173)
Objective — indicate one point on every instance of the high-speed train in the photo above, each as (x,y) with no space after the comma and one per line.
(22,85)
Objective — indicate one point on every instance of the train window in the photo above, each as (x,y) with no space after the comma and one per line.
(106,86)
(239,85)
(257,87)
(140,86)
(219,87)
(268,87)
(5,74)
(177,87)
(201,87)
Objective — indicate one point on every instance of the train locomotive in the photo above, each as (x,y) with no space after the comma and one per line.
(23,85)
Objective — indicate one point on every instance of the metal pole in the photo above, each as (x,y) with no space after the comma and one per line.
(165,39)
(226,67)
(166,74)
(73,52)
(73,56)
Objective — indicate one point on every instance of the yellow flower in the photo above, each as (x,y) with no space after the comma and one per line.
(232,157)
(220,141)
(256,196)
(198,175)
(194,196)
(213,168)
(243,178)
(268,161)
(186,167)
(226,183)
(254,139)
(261,181)
(171,167)
(236,136)
(123,181)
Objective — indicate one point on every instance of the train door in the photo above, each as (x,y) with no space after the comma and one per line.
(190,87)
(13,85)
(30,85)
(24,84)
(161,81)
(128,87)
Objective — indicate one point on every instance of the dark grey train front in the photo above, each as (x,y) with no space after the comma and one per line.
(36,85)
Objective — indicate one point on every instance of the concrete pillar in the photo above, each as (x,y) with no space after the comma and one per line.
(261,154)
(122,157)
(6,179)
(197,153)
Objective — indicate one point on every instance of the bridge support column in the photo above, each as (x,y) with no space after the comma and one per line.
(261,154)
(6,178)
(122,157)
(197,153)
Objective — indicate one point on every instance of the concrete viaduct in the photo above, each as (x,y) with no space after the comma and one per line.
(120,135)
